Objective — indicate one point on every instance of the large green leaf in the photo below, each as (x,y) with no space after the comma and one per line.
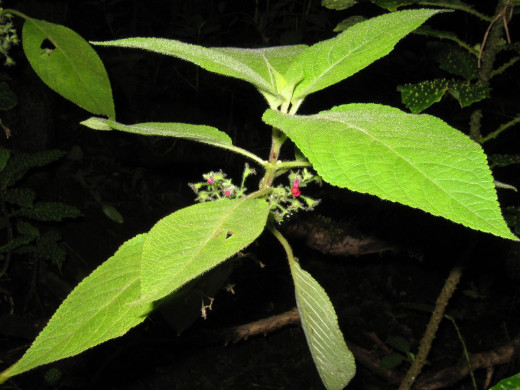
(193,240)
(333,60)
(68,65)
(417,160)
(96,311)
(331,355)
(200,133)
(260,67)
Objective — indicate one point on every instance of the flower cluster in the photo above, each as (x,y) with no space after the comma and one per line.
(217,186)
(287,200)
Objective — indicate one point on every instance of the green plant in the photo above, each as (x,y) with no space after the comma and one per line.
(21,209)
(469,71)
(417,160)
(402,353)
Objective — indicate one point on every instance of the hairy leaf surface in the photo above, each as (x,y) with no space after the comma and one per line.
(328,62)
(416,160)
(96,310)
(331,355)
(256,66)
(200,133)
(68,65)
(193,240)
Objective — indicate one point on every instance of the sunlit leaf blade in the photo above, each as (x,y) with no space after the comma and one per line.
(511,383)
(193,240)
(68,65)
(331,355)
(96,311)
(416,160)
(328,62)
(200,133)
(252,65)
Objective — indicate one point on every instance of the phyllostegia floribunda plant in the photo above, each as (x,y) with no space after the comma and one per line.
(416,160)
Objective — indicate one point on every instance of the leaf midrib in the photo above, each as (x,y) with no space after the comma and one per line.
(200,248)
(82,325)
(338,120)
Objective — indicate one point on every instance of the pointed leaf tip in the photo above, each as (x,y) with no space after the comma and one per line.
(416,160)
(97,310)
(333,359)
(328,62)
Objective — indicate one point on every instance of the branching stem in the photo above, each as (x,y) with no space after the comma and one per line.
(279,236)
(502,128)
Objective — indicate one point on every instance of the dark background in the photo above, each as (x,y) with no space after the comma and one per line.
(146,179)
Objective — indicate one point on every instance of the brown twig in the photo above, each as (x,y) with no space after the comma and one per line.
(431,329)
(505,20)
(428,381)
(263,326)
(453,374)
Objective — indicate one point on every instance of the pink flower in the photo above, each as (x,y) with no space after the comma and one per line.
(211,180)
(295,190)
(227,192)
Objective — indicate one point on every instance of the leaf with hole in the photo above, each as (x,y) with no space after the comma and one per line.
(193,240)
(68,65)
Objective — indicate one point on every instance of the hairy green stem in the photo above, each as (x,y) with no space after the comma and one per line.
(279,236)
(491,43)
(474,125)
(247,154)
(8,11)
(258,194)
(502,128)
(465,349)
(446,293)
(459,6)
(489,50)
(278,139)
(292,164)
(505,66)
(449,37)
